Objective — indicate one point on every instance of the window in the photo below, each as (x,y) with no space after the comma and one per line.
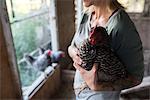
(78,9)
(31,28)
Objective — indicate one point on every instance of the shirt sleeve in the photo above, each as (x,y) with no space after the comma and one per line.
(77,31)
(127,45)
(82,19)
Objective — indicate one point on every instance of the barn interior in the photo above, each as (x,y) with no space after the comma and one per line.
(27,25)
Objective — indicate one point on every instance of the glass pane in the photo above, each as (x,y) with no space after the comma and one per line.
(29,33)
(22,8)
(28,36)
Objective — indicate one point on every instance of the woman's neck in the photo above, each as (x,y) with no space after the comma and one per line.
(101,15)
(102,12)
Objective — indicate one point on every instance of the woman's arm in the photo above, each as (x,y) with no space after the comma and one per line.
(126,83)
(128,47)
(90,77)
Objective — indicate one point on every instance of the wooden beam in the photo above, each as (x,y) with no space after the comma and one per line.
(141,91)
(10,87)
(146,12)
(65,12)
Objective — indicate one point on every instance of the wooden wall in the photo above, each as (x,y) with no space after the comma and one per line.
(66,26)
(10,87)
(50,87)
(143,26)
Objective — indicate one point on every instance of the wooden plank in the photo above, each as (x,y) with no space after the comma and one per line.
(67,75)
(144,85)
(10,87)
(50,87)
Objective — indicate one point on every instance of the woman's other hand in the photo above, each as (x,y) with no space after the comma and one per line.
(90,77)
(74,54)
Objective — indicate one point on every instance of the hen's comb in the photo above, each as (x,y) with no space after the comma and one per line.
(49,53)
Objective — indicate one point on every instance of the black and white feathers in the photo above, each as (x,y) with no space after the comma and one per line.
(96,49)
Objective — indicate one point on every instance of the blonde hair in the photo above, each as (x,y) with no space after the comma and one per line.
(114,4)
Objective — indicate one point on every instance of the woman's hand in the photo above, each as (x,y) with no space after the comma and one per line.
(74,54)
(90,77)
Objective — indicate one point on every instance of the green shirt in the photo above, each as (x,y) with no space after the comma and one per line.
(125,42)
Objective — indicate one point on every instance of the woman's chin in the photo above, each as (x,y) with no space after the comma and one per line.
(87,3)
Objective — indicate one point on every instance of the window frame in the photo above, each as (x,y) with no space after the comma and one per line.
(39,82)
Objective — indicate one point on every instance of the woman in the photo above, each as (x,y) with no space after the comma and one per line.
(125,42)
